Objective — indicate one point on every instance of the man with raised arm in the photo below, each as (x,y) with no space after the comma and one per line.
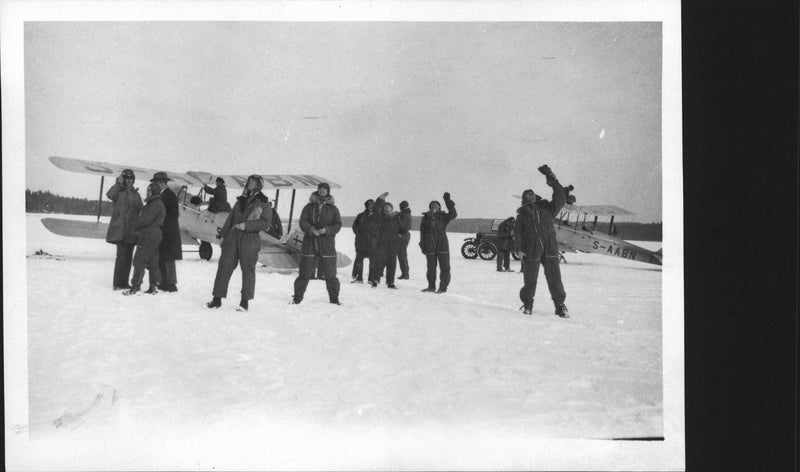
(434,243)
(535,244)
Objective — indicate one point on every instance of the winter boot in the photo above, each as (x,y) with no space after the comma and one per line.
(561,311)
(243,305)
(215,302)
(132,291)
(357,280)
(429,289)
(391,286)
(136,281)
(527,308)
(151,290)
(442,290)
(296,300)
(335,301)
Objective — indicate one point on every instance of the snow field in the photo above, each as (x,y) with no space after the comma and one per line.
(386,362)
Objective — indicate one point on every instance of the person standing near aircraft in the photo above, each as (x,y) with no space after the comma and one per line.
(319,221)
(219,201)
(121,229)
(402,250)
(241,243)
(504,232)
(275,228)
(387,243)
(148,229)
(434,243)
(535,243)
(319,271)
(364,229)
(170,249)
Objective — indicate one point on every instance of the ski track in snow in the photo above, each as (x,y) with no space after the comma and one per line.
(396,359)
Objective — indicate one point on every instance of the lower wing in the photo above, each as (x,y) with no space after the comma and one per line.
(76,229)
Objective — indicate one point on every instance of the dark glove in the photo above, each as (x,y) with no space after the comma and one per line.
(551,177)
(446,196)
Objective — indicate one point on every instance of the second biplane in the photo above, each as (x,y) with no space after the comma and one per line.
(198,225)
(580,235)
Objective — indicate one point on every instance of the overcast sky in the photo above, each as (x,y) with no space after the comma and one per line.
(411,108)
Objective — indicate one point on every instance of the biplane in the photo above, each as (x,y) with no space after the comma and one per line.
(580,235)
(583,236)
(198,225)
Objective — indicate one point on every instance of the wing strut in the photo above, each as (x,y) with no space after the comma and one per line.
(100,198)
(277,194)
(291,212)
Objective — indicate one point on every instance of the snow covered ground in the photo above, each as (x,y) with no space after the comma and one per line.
(399,367)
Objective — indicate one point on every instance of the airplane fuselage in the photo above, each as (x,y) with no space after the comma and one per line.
(599,243)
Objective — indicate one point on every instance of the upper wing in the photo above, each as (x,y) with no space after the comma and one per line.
(191,178)
(113,170)
(593,210)
(598,210)
(271,181)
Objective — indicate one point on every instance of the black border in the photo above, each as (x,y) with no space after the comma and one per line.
(740,158)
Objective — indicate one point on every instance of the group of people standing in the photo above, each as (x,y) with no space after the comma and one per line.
(320,221)
(381,238)
(383,235)
(151,227)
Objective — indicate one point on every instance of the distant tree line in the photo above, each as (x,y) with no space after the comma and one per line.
(43,201)
(626,230)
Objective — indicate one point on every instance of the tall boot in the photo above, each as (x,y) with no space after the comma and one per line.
(136,281)
(527,307)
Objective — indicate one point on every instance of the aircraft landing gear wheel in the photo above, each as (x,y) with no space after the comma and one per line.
(487,251)
(205,250)
(469,250)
